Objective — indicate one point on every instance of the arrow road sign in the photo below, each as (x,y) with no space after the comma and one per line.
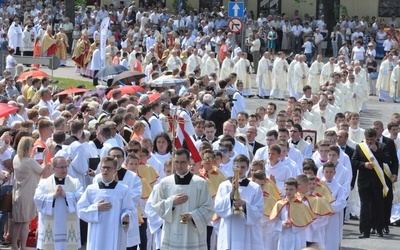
(235,25)
(236,9)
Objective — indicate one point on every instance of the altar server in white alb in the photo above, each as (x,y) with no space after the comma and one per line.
(184,203)
(240,230)
(108,208)
(55,199)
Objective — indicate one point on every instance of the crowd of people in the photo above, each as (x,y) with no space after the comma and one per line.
(190,166)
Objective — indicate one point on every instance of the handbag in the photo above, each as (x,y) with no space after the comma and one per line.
(374,75)
(6,202)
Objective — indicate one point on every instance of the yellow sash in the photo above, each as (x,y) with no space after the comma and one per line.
(73,234)
(378,170)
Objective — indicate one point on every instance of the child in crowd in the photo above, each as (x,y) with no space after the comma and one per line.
(275,167)
(291,217)
(334,228)
(270,236)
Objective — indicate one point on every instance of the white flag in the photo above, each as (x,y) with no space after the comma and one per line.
(103,39)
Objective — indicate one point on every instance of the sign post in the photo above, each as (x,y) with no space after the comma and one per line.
(235,25)
(236,9)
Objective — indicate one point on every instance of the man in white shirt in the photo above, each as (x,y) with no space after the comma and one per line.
(255,50)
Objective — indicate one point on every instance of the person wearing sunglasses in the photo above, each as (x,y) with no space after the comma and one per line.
(226,149)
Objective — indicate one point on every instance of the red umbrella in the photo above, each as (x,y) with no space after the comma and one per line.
(154,97)
(71,90)
(6,109)
(34,73)
(126,90)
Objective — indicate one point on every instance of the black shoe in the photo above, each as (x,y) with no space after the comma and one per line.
(373,231)
(380,233)
(363,236)
(386,230)
(353,217)
(250,96)
(259,96)
(381,100)
(266,97)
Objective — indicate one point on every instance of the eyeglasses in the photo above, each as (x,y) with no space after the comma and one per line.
(132,150)
(293,131)
(208,159)
(330,99)
(224,151)
(61,167)
(106,168)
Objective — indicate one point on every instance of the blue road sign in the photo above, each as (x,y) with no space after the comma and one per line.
(236,9)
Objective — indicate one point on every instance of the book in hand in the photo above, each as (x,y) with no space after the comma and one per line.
(93,163)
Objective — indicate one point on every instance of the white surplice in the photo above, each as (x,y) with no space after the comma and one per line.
(293,238)
(237,232)
(314,77)
(334,228)
(200,206)
(105,229)
(58,210)
(154,221)
(280,78)
(241,68)
(280,171)
(134,184)
(264,77)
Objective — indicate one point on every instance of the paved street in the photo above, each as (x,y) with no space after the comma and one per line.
(375,111)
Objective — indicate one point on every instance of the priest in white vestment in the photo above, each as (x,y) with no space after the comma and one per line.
(212,65)
(174,62)
(300,76)
(108,208)
(327,70)
(361,78)
(314,77)
(395,81)
(240,231)
(264,76)
(291,74)
(184,203)
(241,68)
(193,62)
(55,199)
(354,103)
(280,77)
(384,78)
(226,66)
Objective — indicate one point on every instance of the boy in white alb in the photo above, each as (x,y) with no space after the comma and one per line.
(276,168)
(239,230)
(334,228)
(291,217)
(342,175)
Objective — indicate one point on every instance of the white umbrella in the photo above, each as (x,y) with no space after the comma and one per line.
(167,81)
